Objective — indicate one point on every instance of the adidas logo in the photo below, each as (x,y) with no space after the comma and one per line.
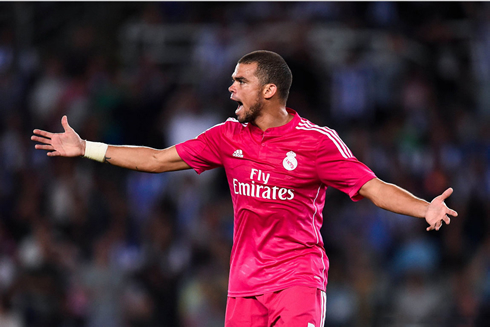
(238,153)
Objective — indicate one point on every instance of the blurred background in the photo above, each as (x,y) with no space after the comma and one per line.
(406,85)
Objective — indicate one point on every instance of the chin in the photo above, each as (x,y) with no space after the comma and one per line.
(241,120)
(245,118)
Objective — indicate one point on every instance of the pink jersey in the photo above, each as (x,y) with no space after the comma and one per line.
(277,180)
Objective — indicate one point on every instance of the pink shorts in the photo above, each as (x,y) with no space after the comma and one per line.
(297,306)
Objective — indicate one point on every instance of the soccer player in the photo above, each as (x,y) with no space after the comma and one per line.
(278,167)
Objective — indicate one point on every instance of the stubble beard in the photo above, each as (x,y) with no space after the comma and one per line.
(252,113)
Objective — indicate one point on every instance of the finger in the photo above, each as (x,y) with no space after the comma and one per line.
(447,220)
(44,147)
(43,133)
(436,226)
(446,193)
(452,212)
(64,123)
(54,154)
(41,139)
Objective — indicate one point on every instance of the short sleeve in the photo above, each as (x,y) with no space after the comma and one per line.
(338,168)
(202,153)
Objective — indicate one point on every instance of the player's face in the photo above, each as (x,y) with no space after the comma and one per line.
(247,91)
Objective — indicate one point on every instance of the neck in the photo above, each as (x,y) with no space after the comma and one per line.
(273,117)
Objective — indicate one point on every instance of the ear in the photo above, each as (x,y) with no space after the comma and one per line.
(269,91)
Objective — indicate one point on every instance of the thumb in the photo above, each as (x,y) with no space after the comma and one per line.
(64,123)
(446,193)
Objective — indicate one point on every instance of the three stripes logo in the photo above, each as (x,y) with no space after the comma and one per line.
(238,153)
(330,133)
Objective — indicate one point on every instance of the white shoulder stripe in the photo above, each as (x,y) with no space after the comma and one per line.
(334,134)
(209,129)
(234,120)
(341,146)
(329,136)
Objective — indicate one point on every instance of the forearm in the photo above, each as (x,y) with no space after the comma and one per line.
(393,198)
(133,157)
(144,159)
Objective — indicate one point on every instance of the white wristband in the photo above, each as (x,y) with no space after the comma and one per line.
(95,150)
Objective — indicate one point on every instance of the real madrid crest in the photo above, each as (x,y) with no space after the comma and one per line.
(290,162)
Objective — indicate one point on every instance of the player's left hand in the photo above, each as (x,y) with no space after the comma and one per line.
(437,211)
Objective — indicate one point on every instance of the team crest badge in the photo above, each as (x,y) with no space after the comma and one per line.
(290,162)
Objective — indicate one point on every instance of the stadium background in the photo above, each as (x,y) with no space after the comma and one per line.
(407,86)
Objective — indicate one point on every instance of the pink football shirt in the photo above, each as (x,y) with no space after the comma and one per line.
(277,180)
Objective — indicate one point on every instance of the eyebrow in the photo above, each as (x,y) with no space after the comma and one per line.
(239,78)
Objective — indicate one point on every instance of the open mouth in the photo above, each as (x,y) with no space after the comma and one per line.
(239,108)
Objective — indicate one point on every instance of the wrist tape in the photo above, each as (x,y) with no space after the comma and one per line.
(95,151)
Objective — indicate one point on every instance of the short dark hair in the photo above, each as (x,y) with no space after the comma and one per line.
(271,68)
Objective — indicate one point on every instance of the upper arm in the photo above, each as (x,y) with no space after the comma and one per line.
(201,153)
(169,160)
(371,189)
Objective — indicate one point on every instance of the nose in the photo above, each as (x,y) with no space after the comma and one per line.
(231,89)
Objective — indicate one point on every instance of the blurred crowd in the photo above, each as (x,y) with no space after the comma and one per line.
(406,85)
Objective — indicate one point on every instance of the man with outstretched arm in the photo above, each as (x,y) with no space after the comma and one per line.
(278,167)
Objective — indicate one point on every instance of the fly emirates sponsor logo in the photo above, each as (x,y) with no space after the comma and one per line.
(262,190)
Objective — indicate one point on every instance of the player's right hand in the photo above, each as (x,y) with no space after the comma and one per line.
(67,144)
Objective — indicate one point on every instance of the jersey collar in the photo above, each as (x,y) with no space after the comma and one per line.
(279,130)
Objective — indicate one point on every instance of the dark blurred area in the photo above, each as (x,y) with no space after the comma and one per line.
(406,85)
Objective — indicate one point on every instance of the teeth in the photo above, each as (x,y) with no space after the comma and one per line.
(238,109)
(240,105)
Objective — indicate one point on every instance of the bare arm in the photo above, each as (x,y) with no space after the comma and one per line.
(393,198)
(69,144)
(145,159)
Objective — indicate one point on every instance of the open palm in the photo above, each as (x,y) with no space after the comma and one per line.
(67,144)
(438,212)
